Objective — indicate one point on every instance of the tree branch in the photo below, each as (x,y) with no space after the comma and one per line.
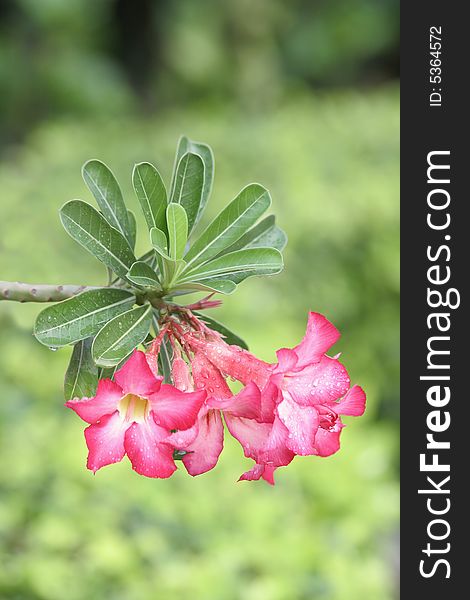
(27,292)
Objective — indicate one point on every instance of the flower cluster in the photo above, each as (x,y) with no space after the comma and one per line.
(289,408)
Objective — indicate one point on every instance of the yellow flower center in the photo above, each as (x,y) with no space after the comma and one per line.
(134,408)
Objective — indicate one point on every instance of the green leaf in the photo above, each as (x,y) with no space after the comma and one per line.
(151,193)
(189,183)
(166,265)
(80,317)
(81,377)
(265,234)
(142,274)
(165,359)
(159,242)
(252,234)
(177,222)
(165,355)
(109,372)
(229,225)
(172,270)
(211,285)
(149,258)
(121,335)
(230,337)
(104,187)
(237,277)
(255,261)
(91,230)
(205,152)
(273,238)
(132,228)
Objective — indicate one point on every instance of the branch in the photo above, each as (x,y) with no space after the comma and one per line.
(27,292)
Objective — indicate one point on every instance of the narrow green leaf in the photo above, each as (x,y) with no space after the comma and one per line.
(210,285)
(237,277)
(205,152)
(165,359)
(121,335)
(81,377)
(165,356)
(132,229)
(80,317)
(252,234)
(256,261)
(104,187)
(151,193)
(189,183)
(229,225)
(263,235)
(230,337)
(91,230)
(177,222)
(142,274)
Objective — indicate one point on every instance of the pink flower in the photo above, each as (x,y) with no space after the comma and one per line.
(303,396)
(135,415)
(263,441)
(233,360)
(204,442)
(315,391)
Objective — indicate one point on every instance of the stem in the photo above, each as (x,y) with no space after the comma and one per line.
(28,292)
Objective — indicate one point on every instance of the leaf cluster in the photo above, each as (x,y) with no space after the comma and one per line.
(107,323)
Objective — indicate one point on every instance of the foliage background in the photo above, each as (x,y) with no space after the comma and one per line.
(300,96)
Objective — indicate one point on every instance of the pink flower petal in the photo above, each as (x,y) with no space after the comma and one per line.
(327,440)
(318,383)
(276,451)
(265,443)
(173,409)
(239,364)
(268,474)
(135,376)
(147,454)
(105,441)
(181,375)
(152,361)
(254,474)
(258,471)
(204,452)
(318,339)
(287,360)
(302,424)
(353,404)
(252,435)
(270,398)
(246,403)
(208,377)
(104,403)
(183,438)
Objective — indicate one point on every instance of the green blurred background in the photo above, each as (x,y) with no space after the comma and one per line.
(301,96)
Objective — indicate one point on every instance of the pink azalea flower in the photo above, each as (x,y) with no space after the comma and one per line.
(135,415)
